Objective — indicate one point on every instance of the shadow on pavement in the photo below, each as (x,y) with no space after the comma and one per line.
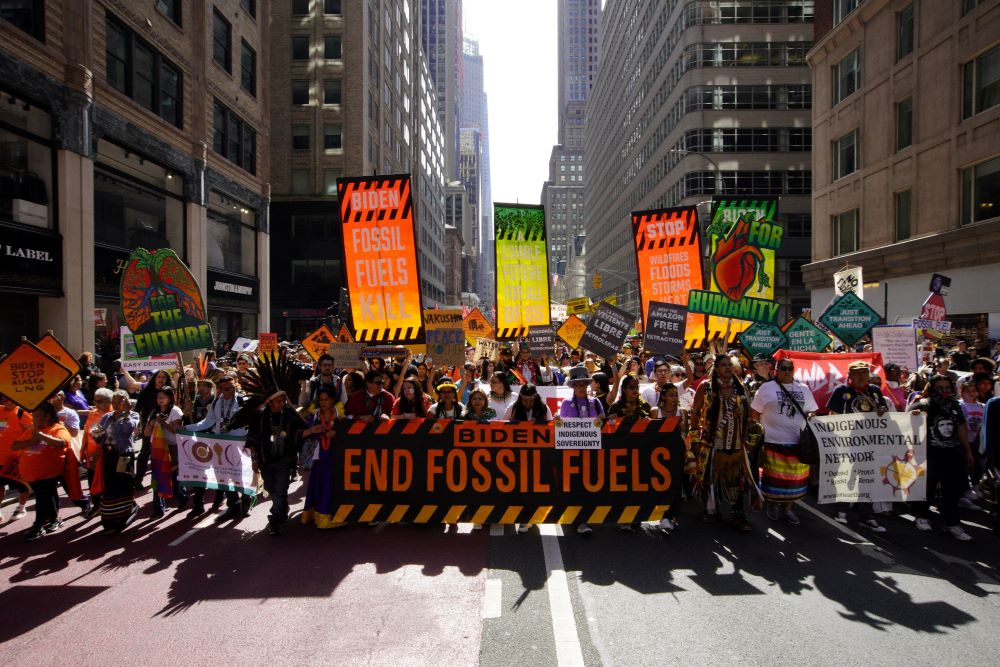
(24,612)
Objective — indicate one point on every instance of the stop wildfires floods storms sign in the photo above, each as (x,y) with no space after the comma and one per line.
(522,278)
(380,257)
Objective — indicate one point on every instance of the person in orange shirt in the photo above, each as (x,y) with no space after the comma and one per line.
(43,459)
(91,450)
(15,424)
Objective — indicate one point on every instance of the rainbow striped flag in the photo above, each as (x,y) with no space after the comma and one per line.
(160,462)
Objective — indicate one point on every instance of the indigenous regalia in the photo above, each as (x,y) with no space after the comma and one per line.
(318,507)
(115,474)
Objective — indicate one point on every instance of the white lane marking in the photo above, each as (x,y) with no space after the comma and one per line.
(207,521)
(568,651)
(493,598)
(496,530)
(839,526)
(776,535)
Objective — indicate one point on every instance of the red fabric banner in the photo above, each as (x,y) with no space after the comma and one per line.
(823,372)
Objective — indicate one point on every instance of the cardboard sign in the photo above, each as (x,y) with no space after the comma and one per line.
(557,312)
(344,335)
(346,355)
(131,361)
(572,331)
(487,349)
(29,376)
(804,336)
(426,470)
(668,259)
(762,338)
(477,326)
(445,336)
(162,304)
(578,306)
(665,326)
(897,343)
(52,347)
(849,280)
(522,277)
(267,344)
(380,256)
(318,342)
(850,318)
(607,331)
(578,432)
(541,340)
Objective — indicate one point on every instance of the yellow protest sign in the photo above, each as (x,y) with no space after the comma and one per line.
(318,342)
(572,330)
(577,306)
(29,376)
(477,326)
(267,344)
(51,346)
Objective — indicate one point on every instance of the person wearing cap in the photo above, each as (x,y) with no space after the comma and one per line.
(275,441)
(506,362)
(448,406)
(858,394)
(763,371)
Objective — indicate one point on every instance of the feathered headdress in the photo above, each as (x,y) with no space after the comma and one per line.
(272,375)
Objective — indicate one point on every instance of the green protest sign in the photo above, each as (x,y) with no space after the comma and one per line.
(762,338)
(804,336)
(850,318)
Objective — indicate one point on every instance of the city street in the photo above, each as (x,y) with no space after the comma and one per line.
(181,591)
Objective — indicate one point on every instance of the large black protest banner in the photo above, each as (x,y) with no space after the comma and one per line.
(607,330)
(430,471)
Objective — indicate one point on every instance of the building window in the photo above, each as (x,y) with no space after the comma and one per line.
(981,192)
(300,93)
(981,83)
(846,76)
(139,71)
(222,41)
(27,159)
(300,181)
(233,138)
(841,8)
(903,212)
(27,15)
(845,155)
(331,7)
(169,8)
(904,123)
(332,137)
(248,68)
(300,137)
(250,7)
(232,235)
(904,32)
(845,232)
(331,91)
(300,7)
(300,47)
(331,47)
(330,177)
(969,5)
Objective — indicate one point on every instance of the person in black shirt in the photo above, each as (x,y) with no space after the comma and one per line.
(275,443)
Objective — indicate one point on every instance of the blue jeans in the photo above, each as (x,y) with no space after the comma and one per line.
(276,478)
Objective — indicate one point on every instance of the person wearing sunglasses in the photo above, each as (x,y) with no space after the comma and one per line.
(373,403)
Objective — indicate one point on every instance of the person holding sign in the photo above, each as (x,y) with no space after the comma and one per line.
(529,406)
(42,465)
(580,405)
(15,425)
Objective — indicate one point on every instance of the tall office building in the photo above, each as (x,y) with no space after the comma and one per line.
(126,125)
(350,96)
(474,114)
(693,100)
(440,31)
(563,192)
(906,117)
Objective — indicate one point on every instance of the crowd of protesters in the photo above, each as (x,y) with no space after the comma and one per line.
(740,418)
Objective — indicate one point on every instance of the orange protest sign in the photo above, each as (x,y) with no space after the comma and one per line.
(477,326)
(29,376)
(318,342)
(267,344)
(381,259)
(572,330)
(52,347)
(344,335)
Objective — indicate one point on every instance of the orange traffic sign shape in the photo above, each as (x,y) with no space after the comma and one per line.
(572,330)
(318,342)
(477,326)
(29,376)
(52,347)
(344,335)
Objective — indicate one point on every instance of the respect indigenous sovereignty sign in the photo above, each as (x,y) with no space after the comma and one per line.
(572,330)
(607,330)
(522,279)
(477,326)
(380,257)
(867,458)
(445,336)
(29,376)
(824,372)
(214,461)
(448,471)
(850,318)
(744,240)
(162,304)
(668,259)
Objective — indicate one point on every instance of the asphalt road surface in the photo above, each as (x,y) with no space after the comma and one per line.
(177,591)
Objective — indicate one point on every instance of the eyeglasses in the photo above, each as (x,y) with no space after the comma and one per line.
(680,375)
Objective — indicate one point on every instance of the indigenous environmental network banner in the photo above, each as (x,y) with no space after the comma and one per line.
(866,458)
(522,263)
(449,471)
(380,258)
(668,257)
(214,461)
(745,238)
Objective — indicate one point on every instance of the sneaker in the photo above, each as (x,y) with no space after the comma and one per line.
(34,533)
(523,527)
(666,524)
(873,525)
(922,524)
(230,513)
(773,512)
(53,526)
(967,503)
(584,529)
(19,513)
(196,511)
(92,511)
(274,529)
(791,518)
(841,518)
(959,533)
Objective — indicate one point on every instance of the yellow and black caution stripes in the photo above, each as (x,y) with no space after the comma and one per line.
(499,514)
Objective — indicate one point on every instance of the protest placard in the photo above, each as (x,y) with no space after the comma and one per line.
(665,327)
(541,340)
(607,330)
(29,377)
(897,343)
(578,433)
(487,349)
(214,461)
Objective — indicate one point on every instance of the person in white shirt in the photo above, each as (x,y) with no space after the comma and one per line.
(661,377)
(781,407)
(500,396)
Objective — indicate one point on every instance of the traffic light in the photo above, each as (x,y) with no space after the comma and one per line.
(598,281)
